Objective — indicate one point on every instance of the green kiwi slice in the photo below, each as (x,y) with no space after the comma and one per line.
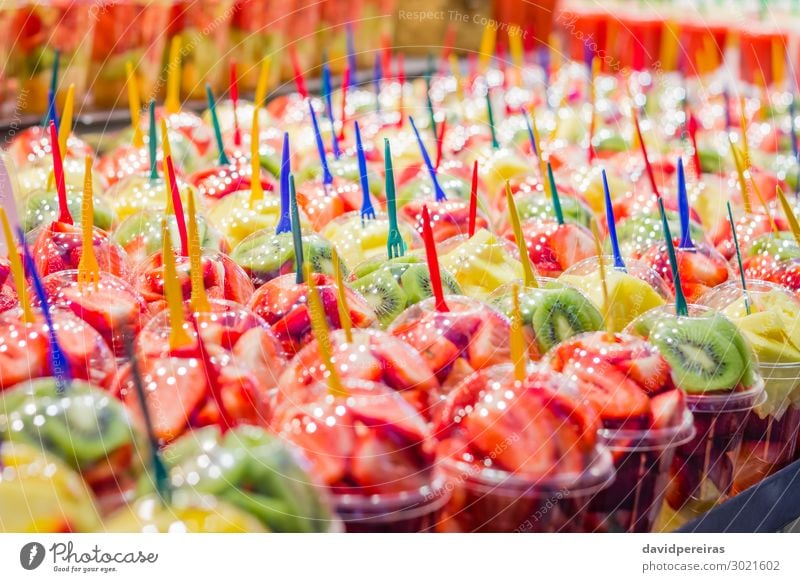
(383,293)
(82,427)
(416,282)
(704,358)
(562,314)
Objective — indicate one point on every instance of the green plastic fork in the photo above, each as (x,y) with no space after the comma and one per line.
(395,245)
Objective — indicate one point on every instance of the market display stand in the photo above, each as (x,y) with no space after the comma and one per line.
(772,505)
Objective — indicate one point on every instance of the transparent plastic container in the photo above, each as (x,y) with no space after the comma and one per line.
(374,452)
(519,456)
(41,28)
(111,306)
(644,419)
(773,329)
(703,469)
(25,349)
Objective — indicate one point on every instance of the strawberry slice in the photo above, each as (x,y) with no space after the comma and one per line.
(173,398)
(668,408)
(436,350)
(403,368)
(614,396)
(381,466)
(571,244)
(328,447)
(104,308)
(5,270)
(650,371)
(19,363)
(259,351)
(388,412)
(490,344)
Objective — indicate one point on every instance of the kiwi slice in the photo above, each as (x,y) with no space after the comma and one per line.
(318,252)
(726,328)
(263,253)
(562,314)
(383,293)
(41,207)
(416,282)
(81,427)
(703,358)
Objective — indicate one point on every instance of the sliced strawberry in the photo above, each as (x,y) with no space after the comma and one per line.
(613,395)
(5,270)
(379,465)
(403,368)
(328,447)
(490,344)
(571,244)
(173,398)
(436,350)
(668,408)
(387,412)
(19,363)
(259,351)
(103,308)
(293,328)
(650,371)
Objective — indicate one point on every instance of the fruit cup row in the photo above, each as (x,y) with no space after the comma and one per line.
(92,40)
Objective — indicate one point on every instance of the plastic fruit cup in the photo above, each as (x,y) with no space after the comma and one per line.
(112,306)
(644,419)
(703,469)
(41,29)
(245,361)
(772,328)
(25,349)
(222,279)
(127,30)
(374,452)
(468,337)
(768,443)
(519,456)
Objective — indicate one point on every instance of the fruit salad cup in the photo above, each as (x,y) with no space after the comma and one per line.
(391,286)
(357,239)
(449,218)
(713,364)
(140,235)
(41,494)
(283,303)
(630,293)
(59,245)
(701,267)
(373,451)
(227,383)
(255,471)
(551,314)
(32,146)
(640,233)
(41,29)
(480,263)
(40,208)
(126,31)
(86,427)
(138,193)
(772,329)
(470,336)
(265,256)
(519,456)
(554,247)
(222,279)
(372,355)
(217,182)
(25,349)
(644,419)
(111,306)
